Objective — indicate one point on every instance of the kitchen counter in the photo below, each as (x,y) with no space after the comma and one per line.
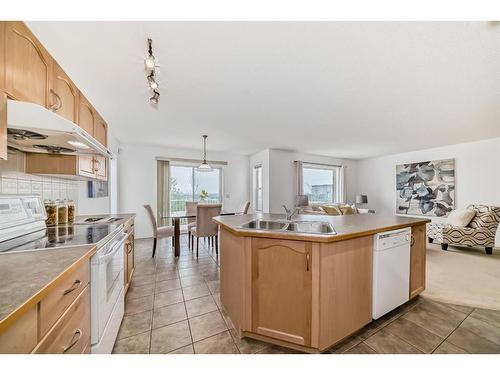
(302,290)
(26,277)
(346,226)
(124,218)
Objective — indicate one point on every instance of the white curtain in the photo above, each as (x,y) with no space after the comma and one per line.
(299,178)
(342,195)
(162,190)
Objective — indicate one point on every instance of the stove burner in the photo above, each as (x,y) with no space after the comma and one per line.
(53,149)
(19,134)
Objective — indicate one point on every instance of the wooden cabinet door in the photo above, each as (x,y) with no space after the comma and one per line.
(86,115)
(28,66)
(281,290)
(86,166)
(101,167)
(417,260)
(3,126)
(101,131)
(65,95)
(129,259)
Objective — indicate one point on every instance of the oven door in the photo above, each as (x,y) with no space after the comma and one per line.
(107,283)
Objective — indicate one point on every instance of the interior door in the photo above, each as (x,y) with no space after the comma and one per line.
(28,66)
(281,290)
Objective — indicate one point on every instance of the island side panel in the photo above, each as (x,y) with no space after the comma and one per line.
(233,277)
(417,260)
(345,288)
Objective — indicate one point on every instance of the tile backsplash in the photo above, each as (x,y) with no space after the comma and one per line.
(15,181)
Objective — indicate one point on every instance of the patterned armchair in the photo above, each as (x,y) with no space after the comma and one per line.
(481,230)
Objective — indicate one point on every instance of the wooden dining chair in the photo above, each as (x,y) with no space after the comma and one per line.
(244,208)
(159,232)
(191,210)
(205,226)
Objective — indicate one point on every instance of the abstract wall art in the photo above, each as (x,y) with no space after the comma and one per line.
(426,188)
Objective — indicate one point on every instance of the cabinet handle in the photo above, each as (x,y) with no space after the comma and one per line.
(307,262)
(129,248)
(412,241)
(74,340)
(98,164)
(58,104)
(75,285)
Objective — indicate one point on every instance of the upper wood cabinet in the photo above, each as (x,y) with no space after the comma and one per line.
(3,125)
(86,115)
(101,130)
(28,66)
(282,290)
(70,166)
(417,260)
(64,95)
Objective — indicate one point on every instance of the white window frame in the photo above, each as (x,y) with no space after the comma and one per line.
(256,188)
(193,167)
(335,181)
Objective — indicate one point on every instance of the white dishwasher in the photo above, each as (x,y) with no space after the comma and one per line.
(391,270)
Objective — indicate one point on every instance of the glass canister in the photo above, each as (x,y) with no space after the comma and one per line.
(71,211)
(51,209)
(62,212)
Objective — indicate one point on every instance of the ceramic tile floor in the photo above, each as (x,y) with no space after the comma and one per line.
(173,306)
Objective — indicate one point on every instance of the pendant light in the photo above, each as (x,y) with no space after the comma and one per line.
(204,166)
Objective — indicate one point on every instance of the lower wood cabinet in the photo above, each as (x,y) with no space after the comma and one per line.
(59,323)
(71,333)
(417,260)
(281,290)
(129,260)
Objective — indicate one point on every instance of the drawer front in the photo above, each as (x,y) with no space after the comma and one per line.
(21,337)
(71,333)
(54,305)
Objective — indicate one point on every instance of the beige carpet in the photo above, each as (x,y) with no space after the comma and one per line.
(463,276)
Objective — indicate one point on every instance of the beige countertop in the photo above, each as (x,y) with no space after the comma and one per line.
(346,226)
(26,277)
(124,218)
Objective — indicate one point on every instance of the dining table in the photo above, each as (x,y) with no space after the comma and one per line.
(176,220)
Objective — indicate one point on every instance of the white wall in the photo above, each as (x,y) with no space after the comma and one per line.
(477,174)
(279,179)
(137,179)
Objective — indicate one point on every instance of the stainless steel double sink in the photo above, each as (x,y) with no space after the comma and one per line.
(312,227)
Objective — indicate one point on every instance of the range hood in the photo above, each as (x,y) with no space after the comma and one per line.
(33,128)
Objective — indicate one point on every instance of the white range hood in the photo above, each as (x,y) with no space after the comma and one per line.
(33,128)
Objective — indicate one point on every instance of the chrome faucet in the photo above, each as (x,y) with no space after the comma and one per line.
(289,213)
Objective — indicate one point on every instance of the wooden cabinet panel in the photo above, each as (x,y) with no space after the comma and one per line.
(417,260)
(86,166)
(38,163)
(101,167)
(3,126)
(64,94)
(86,115)
(2,56)
(101,130)
(71,333)
(346,279)
(21,337)
(53,306)
(28,66)
(129,259)
(281,290)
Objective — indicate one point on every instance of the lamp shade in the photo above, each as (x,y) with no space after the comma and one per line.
(361,198)
(301,200)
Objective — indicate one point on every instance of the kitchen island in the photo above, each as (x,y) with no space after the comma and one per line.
(307,291)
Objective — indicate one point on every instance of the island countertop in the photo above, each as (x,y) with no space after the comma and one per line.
(346,226)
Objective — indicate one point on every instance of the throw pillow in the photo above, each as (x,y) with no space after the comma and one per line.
(331,210)
(460,218)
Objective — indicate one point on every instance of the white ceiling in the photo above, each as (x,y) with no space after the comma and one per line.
(344,89)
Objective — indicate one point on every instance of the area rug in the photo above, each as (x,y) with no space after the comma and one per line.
(463,276)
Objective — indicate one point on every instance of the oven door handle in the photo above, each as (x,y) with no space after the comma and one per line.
(110,254)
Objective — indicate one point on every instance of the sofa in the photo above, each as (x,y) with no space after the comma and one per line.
(332,209)
(480,231)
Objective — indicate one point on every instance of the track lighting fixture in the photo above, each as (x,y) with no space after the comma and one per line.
(150,64)
(150,60)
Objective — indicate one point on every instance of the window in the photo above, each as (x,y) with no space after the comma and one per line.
(188,184)
(321,183)
(257,182)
